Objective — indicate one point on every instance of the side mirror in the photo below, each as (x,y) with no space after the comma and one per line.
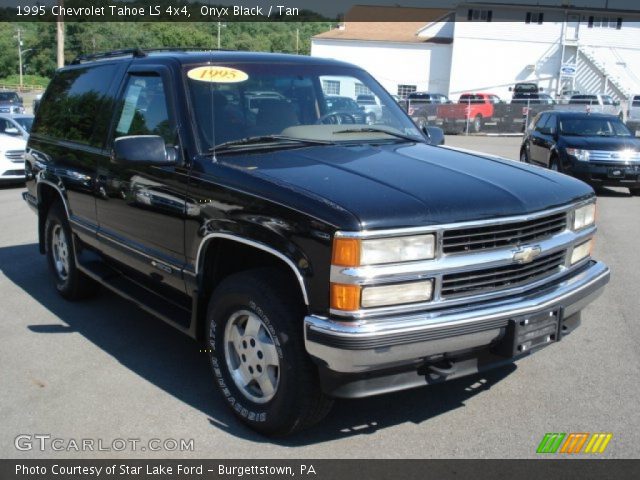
(511,89)
(11,131)
(540,89)
(616,103)
(142,150)
(435,135)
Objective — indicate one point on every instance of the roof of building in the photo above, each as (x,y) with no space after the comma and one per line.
(388,24)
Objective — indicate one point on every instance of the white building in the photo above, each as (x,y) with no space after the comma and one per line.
(488,47)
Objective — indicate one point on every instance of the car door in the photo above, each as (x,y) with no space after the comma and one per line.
(548,139)
(536,141)
(141,208)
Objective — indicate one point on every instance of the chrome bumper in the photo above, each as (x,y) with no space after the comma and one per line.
(370,345)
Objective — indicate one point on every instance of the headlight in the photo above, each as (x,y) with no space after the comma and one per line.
(354,297)
(584,216)
(351,252)
(413,292)
(582,155)
(582,251)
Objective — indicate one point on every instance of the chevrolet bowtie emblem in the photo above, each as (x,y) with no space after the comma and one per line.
(526,254)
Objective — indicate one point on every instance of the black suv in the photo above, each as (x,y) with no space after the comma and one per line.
(314,259)
(597,148)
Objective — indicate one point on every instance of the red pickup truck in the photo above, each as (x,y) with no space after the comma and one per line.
(479,109)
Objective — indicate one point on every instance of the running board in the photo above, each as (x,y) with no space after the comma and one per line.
(118,282)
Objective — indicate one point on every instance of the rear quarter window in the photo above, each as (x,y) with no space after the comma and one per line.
(636,101)
(77,105)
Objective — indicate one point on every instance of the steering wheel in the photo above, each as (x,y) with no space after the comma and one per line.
(337,118)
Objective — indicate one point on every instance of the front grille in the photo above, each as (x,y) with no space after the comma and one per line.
(614,156)
(15,156)
(12,173)
(502,235)
(498,278)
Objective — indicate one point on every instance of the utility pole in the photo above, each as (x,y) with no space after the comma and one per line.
(20,56)
(220,25)
(60,36)
(297,41)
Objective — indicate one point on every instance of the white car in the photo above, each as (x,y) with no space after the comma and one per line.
(12,151)
(633,114)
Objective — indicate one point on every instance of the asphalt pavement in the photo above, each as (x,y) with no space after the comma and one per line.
(104,370)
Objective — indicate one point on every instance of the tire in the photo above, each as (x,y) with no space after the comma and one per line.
(634,191)
(524,156)
(260,365)
(70,282)
(553,164)
(476,126)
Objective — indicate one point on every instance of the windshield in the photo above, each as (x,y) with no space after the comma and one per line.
(9,97)
(593,127)
(25,122)
(306,102)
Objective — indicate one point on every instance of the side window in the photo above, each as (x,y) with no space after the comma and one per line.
(541,121)
(552,123)
(143,109)
(77,106)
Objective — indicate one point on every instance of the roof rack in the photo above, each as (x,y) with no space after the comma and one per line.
(134,52)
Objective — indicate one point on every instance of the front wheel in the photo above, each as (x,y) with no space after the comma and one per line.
(524,156)
(553,164)
(258,356)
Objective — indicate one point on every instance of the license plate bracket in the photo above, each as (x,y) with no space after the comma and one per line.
(616,172)
(530,332)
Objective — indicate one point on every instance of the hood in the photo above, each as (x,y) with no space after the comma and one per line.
(406,185)
(9,142)
(603,143)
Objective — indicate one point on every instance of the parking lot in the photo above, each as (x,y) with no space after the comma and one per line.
(103,369)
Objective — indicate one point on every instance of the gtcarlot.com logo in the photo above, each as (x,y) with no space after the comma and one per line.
(574,443)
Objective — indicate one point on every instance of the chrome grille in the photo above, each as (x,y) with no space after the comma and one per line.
(502,235)
(15,156)
(614,156)
(498,278)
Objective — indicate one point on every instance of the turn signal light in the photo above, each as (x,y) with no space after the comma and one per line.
(345,297)
(346,252)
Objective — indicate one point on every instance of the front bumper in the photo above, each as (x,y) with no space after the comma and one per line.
(606,174)
(365,347)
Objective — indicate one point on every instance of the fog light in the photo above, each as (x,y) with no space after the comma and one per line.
(397,294)
(582,251)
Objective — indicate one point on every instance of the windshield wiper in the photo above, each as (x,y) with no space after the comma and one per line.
(380,130)
(265,141)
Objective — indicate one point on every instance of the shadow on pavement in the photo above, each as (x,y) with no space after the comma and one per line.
(170,360)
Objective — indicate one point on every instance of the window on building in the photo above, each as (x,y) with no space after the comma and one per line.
(331,87)
(605,22)
(360,89)
(476,15)
(534,17)
(404,90)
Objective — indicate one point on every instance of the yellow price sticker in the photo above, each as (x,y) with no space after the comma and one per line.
(217,74)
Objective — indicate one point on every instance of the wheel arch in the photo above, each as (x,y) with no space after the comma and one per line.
(223,254)
(47,194)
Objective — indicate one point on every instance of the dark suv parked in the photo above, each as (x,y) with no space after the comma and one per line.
(10,102)
(314,259)
(596,148)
